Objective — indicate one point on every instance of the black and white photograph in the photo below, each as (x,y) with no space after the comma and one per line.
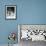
(31,34)
(10,12)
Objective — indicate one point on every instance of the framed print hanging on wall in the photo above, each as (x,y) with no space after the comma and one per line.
(10,12)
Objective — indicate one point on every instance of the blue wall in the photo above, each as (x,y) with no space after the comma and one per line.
(28,12)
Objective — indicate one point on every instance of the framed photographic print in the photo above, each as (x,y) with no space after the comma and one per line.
(33,32)
(10,12)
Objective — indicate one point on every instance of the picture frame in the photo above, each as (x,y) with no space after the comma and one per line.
(37,29)
(10,12)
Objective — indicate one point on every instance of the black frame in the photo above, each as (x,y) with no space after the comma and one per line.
(15,12)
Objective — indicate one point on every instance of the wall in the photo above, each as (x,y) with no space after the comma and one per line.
(28,12)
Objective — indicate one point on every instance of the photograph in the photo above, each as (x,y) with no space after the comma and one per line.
(29,34)
(32,32)
(10,12)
